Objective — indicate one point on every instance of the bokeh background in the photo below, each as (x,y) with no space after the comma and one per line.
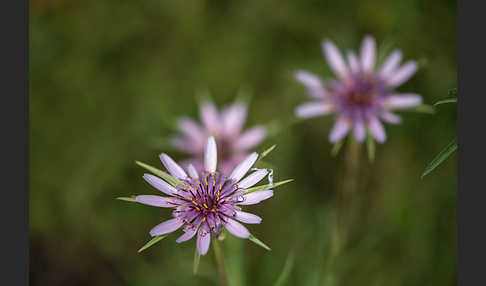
(108,78)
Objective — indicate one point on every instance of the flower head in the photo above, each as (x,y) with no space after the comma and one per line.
(226,127)
(206,202)
(362,95)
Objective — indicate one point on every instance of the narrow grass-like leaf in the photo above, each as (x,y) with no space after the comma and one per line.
(336,147)
(258,242)
(127,199)
(266,152)
(444,154)
(152,242)
(171,180)
(289,264)
(447,100)
(267,186)
(197,258)
(423,108)
(370,144)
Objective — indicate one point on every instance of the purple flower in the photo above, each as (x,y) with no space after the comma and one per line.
(362,95)
(226,127)
(206,201)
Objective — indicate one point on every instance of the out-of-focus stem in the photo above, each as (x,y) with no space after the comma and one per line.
(218,253)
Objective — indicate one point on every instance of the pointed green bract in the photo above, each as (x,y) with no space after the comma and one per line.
(447,100)
(258,242)
(127,199)
(197,257)
(266,152)
(336,147)
(370,144)
(152,242)
(267,186)
(424,108)
(171,180)
(444,154)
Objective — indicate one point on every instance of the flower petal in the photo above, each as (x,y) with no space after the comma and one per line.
(243,167)
(250,138)
(247,217)
(252,179)
(340,129)
(308,110)
(160,184)
(191,129)
(334,59)
(185,145)
(312,83)
(166,227)
(236,228)
(390,117)
(210,117)
(353,62)
(390,64)
(402,101)
(203,240)
(368,54)
(156,201)
(189,232)
(256,197)
(234,118)
(210,155)
(377,130)
(403,74)
(359,130)
(192,171)
(172,167)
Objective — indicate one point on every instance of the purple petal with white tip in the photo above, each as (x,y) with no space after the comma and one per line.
(368,54)
(250,138)
(236,228)
(243,167)
(402,101)
(377,130)
(312,83)
(403,74)
(166,227)
(156,201)
(308,110)
(353,62)
(203,240)
(339,130)
(160,184)
(210,155)
(390,64)
(252,179)
(210,117)
(247,217)
(334,59)
(390,117)
(192,171)
(172,167)
(256,197)
(359,130)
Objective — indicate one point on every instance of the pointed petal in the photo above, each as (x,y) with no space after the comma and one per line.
(172,167)
(160,184)
(188,234)
(256,197)
(312,83)
(203,240)
(402,101)
(247,217)
(236,228)
(191,129)
(308,110)
(340,129)
(403,74)
(390,64)
(250,138)
(390,117)
(210,117)
(192,171)
(185,145)
(166,227)
(368,54)
(156,201)
(353,62)
(359,130)
(252,179)
(234,117)
(243,167)
(334,59)
(210,155)
(377,130)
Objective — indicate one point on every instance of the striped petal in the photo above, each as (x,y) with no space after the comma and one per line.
(256,197)
(166,227)
(160,184)
(252,179)
(210,155)
(203,240)
(192,171)
(156,201)
(172,167)
(236,228)
(243,167)
(247,217)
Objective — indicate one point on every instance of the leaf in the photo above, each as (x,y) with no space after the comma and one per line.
(267,151)
(423,108)
(152,242)
(267,186)
(447,100)
(127,199)
(444,154)
(197,257)
(171,180)
(289,264)
(336,147)
(370,144)
(258,242)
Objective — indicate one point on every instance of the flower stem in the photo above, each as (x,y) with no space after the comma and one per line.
(218,253)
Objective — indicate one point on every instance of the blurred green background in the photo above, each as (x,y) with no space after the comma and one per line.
(107,78)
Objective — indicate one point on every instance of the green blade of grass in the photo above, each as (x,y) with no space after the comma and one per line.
(267,151)
(258,242)
(447,100)
(289,264)
(444,154)
(197,258)
(152,242)
(171,180)
(267,186)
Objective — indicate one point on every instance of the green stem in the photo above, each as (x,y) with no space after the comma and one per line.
(218,253)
